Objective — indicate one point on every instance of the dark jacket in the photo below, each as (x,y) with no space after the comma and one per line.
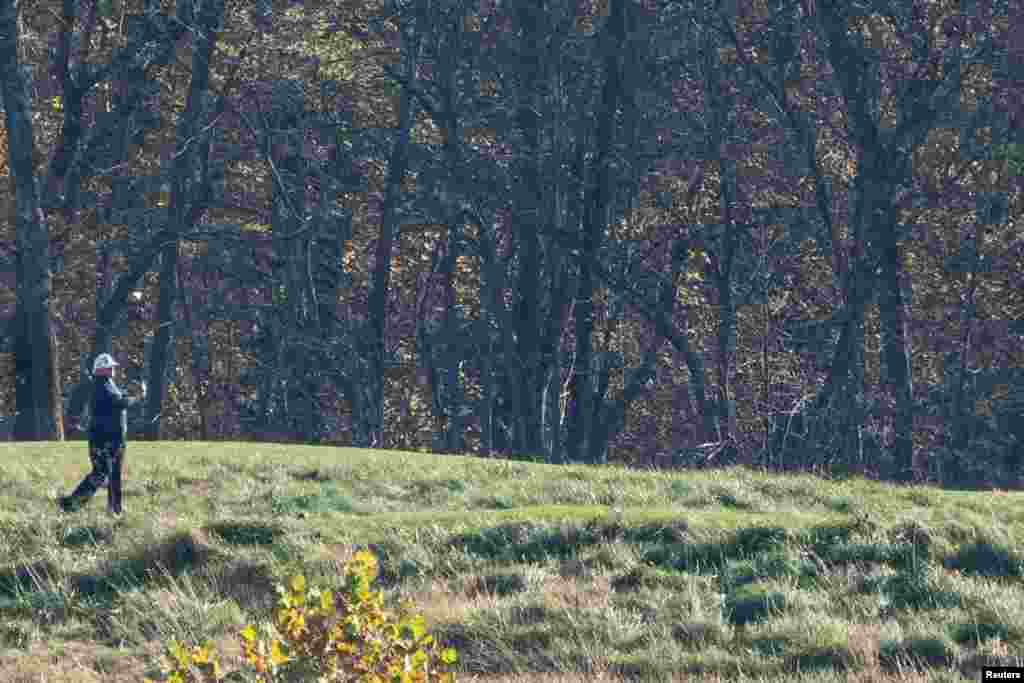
(109,420)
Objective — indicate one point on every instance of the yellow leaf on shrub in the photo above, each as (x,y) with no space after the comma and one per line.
(201,655)
(179,654)
(367,560)
(277,658)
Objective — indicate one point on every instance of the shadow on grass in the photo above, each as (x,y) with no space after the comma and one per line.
(713,555)
(988,558)
(525,639)
(87,535)
(896,655)
(180,552)
(246,533)
(985,625)
(530,542)
(749,605)
(26,587)
(26,577)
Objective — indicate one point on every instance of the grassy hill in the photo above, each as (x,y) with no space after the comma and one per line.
(532,572)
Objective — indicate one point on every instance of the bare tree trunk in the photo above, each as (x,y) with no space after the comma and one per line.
(38,417)
(531,14)
(288,204)
(451,392)
(726,306)
(957,435)
(721,107)
(198,325)
(595,419)
(726,356)
(55,385)
(184,186)
(163,342)
(443,367)
(552,416)
(373,381)
(492,281)
(301,417)
(852,400)
(895,347)
(598,203)
(487,390)
(549,413)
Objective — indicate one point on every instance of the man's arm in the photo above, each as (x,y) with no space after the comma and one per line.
(126,402)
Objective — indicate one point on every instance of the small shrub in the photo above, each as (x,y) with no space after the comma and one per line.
(350,639)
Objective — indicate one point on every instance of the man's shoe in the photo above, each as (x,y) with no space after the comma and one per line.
(64,504)
(117,512)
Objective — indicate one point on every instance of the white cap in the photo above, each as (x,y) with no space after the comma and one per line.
(103,361)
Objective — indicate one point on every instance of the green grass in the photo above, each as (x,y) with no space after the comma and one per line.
(533,572)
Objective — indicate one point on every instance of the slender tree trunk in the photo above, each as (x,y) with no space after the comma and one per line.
(721,107)
(895,343)
(487,389)
(853,399)
(163,343)
(726,356)
(336,230)
(451,390)
(184,192)
(492,282)
(531,15)
(373,392)
(726,305)
(624,51)
(957,435)
(304,417)
(198,324)
(552,416)
(443,370)
(55,385)
(598,203)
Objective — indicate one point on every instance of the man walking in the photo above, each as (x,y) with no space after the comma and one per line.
(106,439)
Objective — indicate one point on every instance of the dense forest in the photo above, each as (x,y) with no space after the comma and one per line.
(676,234)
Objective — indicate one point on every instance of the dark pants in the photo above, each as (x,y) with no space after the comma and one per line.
(107,458)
